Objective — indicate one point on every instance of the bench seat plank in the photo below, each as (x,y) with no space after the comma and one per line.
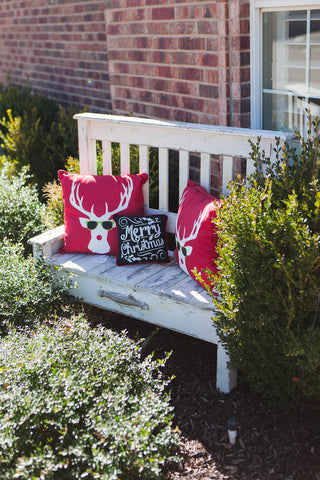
(167,280)
(177,303)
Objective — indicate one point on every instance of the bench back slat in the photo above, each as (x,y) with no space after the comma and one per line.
(184,166)
(106,157)
(163,179)
(187,139)
(125,158)
(144,168)
(205,170)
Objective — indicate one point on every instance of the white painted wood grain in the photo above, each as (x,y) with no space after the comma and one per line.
(205,171)
(164,179)
(144,168)
(125,158)
(184,165)
(106,157)
(227,174)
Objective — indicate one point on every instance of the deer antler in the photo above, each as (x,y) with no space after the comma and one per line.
(124,198)
(195,229)
(182,198)
(76,201)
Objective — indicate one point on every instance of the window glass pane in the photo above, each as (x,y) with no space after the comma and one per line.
(283,112)
(284,48)
(315,81)
(315,56)
(315,31)
(291,67)
(296,55)
(296,79)
(315,14)
(296,15)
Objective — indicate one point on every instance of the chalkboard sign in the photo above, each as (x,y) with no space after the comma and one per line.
(141,239)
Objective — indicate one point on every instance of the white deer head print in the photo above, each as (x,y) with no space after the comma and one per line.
(99,227)
(185,250)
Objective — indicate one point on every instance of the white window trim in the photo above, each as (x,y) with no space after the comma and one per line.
(257,7)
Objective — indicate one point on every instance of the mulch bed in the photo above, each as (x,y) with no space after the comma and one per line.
(272,443)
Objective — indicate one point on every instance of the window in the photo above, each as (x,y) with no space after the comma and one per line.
(285,65)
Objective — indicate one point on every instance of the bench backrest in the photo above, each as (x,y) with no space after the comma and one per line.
(186,138)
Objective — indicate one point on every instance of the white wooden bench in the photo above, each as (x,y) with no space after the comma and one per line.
(161,294)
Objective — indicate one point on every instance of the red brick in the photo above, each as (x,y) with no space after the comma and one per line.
(191,43)
(165,43)
(188,11)
(209,91)
(159,84)
(207,27)
(183,116)
(183,27)
(193,103)
(208,60)
(168,100)
(210,11)
(163,13)
(195,74)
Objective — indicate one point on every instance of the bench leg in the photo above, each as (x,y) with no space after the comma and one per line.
(226,377)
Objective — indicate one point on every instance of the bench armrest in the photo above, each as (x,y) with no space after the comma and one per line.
(47,243)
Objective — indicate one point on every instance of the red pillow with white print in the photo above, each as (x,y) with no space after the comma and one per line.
(90,201)
(196,235)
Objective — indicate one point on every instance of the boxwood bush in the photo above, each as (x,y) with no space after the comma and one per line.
(77,402)
(29,292)
(22,214)
(269,282)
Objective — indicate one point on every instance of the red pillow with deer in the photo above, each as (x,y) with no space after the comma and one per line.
(90,201)
(196,235)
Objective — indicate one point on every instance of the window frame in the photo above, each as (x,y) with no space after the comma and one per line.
(257,8)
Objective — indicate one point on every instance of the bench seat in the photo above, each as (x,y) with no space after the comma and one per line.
(160,294)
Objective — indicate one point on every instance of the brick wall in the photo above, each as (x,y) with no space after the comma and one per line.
(60,46)
(185,60)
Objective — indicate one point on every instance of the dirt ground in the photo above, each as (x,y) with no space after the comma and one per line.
(271,444)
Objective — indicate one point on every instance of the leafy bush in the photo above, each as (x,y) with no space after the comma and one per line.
(52,191)
(269,283)
(36,131)
(297,170)
(22,214)
(77,402)
(29,292)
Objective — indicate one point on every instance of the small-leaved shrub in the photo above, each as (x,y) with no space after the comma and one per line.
(29,292)
(52,192)
(22,214)
(269,282)
(77,402)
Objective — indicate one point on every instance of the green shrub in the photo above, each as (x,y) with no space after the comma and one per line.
(22,214)
(20,99)
(297,170)
(28,291)
(36,131)
(79,403)
(269,282)
(52,191)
